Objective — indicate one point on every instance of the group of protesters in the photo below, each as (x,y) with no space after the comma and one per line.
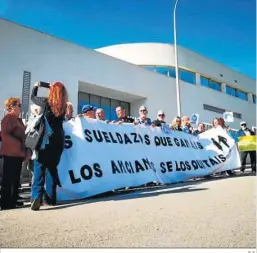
(44,160)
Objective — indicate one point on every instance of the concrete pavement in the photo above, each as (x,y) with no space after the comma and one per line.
(215,213)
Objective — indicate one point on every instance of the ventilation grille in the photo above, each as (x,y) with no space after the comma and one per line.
(26,91)
(221,111)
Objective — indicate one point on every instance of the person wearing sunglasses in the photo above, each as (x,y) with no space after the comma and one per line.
(142,119)
(13,151)
(245,131)
(160,119)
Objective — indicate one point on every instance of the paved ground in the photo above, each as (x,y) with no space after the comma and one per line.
(215,213)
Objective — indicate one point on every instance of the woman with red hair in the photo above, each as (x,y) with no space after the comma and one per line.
(45,165)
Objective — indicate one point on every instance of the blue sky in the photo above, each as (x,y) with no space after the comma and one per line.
(223,30)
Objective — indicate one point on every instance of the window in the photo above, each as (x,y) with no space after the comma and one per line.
(236,93)
(114,104)
(231,91)
(172,72)
(83,100)
(167,71)
(204,81)
(151,68)
(108,105)
(241,94)
(254,99)
(95,100)
(207,82)
(215,85)
(163,70)
(187,76)
(125,106)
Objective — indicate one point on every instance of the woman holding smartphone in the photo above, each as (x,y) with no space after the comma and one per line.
(45,165)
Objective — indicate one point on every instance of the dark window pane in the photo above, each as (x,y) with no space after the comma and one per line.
(187,76)
(95,101)
(215,85)
(163,70)
(254,99)
(151,68)
(84,96)
(106,106)
(172,72)
(231,91)
(125,106)
(83,100)
(114,104)
(204,81)
(241,94)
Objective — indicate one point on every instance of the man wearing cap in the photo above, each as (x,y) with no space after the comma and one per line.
(88,111)
(245,131)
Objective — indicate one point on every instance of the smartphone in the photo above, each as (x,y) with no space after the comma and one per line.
(44,84)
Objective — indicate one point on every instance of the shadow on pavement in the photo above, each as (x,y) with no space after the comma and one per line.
(128,195)
(137,192)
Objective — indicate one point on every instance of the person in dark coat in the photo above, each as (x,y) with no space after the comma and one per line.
(45,165)
(200,129)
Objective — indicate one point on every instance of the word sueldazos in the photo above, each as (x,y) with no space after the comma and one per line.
(134,138)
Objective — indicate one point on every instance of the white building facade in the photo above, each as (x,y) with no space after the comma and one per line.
(118,75)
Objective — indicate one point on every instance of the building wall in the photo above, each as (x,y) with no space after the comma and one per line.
(196,96)
(49,58)
(159,54)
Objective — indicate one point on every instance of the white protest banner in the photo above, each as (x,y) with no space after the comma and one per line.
(100,157)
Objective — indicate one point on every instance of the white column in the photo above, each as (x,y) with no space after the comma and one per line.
(250,97)
(197,79)
(223,87)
